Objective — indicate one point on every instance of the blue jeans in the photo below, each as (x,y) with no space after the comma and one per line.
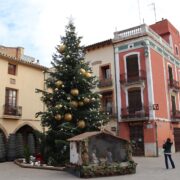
(168,156)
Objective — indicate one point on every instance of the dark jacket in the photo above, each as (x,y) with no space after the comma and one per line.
(167,147)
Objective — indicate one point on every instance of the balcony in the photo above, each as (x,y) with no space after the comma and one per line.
(12,112)
(135,113)
(109,111)
(105,82)
(175,116)
(173,84)
(133,78)
(139,31)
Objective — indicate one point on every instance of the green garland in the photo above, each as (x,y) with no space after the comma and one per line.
(106,170)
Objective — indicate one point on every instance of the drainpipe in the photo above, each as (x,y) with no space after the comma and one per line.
(157,149)
(44,88)
(116,92)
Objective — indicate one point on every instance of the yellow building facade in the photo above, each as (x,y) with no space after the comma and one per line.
(100,57)
(20,76)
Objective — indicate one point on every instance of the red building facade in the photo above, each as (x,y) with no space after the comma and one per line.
(147,65)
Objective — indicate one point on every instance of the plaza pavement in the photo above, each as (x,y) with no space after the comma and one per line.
(147,169)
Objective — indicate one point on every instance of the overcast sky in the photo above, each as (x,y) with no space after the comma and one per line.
(37,25)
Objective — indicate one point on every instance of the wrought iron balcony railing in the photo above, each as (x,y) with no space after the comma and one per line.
(133,77)
(173,84)
(105,82)
(135,112)
(109,110)
(12,110)
(175,115)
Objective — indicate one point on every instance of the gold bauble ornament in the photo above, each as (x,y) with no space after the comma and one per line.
(62,48)
(87,74)
(58,106)
(83,71)
(80,103)
(81,124)
(93,99)
(59,83)
(100,95)
(74,104)
(68,116)
(75,92)
(86,100)
(58,117)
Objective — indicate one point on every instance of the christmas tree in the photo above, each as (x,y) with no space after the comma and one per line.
(72,106)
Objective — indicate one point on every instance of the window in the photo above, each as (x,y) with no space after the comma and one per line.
(12,69)
(170,73)
(107,102)
(11,96)
(106,72)
(177,51)
(134,100)
(132,66)
(10,101)
(173,104)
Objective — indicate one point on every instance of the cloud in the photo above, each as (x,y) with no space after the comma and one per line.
(37,25)
(18,23)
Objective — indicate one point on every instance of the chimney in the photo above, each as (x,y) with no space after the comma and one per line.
(20,52)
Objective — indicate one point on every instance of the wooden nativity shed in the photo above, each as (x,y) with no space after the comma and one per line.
(100,153)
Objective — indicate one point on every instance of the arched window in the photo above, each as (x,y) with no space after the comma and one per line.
(132,66)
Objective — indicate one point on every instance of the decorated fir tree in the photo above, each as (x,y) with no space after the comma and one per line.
(72,105)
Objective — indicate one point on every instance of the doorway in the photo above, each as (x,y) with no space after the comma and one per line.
(137,139)
(134,100)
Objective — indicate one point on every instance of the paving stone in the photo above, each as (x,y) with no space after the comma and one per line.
(147,169)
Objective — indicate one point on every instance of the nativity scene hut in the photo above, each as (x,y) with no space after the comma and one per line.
(100,153)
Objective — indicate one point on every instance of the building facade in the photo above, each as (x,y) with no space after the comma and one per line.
(147,76)
(20,76)
(100,56)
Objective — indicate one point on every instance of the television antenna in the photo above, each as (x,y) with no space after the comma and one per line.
(154,9)
(139,11)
